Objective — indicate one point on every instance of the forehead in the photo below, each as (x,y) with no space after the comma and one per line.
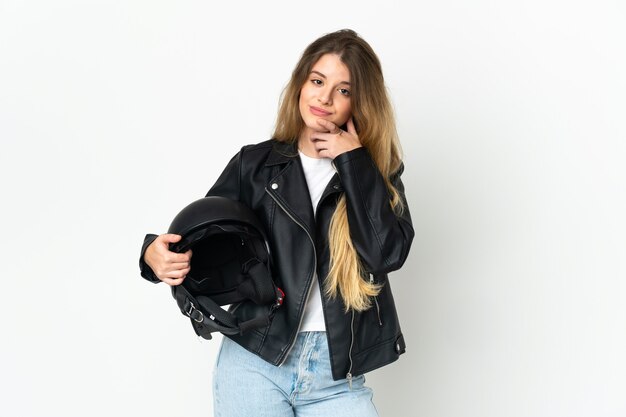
(331,66)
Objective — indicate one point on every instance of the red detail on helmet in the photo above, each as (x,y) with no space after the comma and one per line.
(281,297)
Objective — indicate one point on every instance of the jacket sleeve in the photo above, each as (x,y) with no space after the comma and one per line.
(146,271)
(381,236)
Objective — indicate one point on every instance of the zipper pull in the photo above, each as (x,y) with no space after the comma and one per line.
(349,378)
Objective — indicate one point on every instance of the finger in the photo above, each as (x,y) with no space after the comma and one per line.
(175,274)
(324,153)
(320,145)
(170,257)
(173,282)
(169,238)
(351,127)
(318,135)
(322,136)
(179,265)
(164,250)
(179,274)
(328,126)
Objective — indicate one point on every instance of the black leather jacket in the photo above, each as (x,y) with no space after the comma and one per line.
(268,177)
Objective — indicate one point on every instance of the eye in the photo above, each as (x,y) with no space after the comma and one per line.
(317,81)
(344,91)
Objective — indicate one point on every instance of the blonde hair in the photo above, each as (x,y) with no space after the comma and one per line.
(375,124)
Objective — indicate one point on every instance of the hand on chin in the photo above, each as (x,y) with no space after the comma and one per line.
(329,140)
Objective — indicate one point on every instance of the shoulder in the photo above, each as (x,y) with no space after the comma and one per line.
(255,154)
(266,152)
(259,148)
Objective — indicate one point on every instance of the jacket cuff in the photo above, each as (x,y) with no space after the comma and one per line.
(146,271)
(357,153)
(358,162)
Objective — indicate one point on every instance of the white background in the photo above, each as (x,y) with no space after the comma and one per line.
(116,114)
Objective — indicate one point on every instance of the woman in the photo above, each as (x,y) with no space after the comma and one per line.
(327,188)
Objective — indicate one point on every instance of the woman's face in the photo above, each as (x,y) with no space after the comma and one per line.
(326,93)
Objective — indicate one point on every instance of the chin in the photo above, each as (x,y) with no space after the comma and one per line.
(311,125)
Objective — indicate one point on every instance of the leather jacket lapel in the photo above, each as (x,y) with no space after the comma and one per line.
(289,188)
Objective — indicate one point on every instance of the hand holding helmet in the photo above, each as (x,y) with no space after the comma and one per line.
(170,267)
(232,265)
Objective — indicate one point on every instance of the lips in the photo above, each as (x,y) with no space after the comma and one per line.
(319,112)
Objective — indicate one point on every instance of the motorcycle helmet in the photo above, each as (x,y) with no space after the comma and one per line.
(230,263)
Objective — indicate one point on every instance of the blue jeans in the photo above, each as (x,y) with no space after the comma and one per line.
(245,385)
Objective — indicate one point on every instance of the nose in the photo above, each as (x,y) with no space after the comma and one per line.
(325,96)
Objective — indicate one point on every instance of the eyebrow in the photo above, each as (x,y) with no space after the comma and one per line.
(323,76)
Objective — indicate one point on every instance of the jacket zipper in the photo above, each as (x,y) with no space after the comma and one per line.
(306,300)
(349,374)
(380,322)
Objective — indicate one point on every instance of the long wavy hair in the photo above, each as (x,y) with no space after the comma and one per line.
(375,125)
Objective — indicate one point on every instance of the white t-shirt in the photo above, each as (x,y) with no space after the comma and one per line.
(318,172)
